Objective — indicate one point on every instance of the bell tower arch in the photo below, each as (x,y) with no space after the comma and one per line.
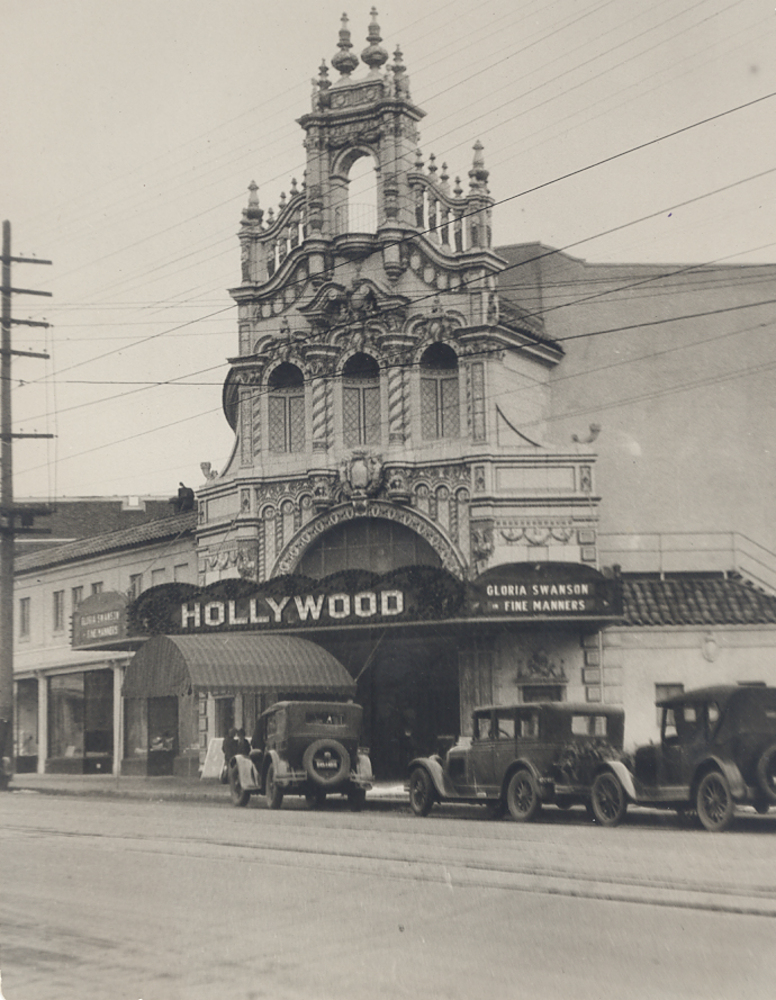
(372,116)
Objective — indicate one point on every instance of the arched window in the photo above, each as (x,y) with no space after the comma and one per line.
(439,417)
(286,409)
(361,401)
(374,542)
(361,197)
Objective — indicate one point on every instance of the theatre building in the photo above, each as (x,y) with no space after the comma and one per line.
(404,490)
(463,474)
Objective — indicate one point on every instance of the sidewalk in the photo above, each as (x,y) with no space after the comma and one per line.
(156,789)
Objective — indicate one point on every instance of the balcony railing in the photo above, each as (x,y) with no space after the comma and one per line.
(685,552)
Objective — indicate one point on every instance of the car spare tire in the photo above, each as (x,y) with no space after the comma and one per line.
(766,774)
(326,762)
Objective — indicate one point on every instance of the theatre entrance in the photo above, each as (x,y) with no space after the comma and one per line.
(409,690)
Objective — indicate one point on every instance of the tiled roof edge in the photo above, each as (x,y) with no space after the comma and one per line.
(112,541)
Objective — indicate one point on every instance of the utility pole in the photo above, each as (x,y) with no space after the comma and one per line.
(13,519)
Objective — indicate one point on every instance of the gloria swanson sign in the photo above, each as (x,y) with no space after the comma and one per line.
(540,598)
(554,590)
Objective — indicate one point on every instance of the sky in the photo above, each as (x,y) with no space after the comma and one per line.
(131,130)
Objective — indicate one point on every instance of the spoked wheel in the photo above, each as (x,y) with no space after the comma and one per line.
(523,796)
(421,792)
(239,796)
(607,798)
(272,792)
(714,801)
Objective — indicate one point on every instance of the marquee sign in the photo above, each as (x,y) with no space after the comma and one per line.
(352,597)
(548,590)
(516,592)
(100,619)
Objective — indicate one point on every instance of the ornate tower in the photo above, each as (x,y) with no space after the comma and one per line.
(372,347)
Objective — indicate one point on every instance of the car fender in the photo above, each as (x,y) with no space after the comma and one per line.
(624,776)
(435,770)
(526,765)
(282,770)
(249,778)
(364,767)
(738,788)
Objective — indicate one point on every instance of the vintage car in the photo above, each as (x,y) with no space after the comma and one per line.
(520,756)
(717,749)
(308,748)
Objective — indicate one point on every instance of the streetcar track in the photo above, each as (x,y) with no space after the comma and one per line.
(455,872)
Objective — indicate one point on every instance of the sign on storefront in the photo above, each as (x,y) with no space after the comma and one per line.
(99,619)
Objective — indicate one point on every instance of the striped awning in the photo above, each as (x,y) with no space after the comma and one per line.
(180,664)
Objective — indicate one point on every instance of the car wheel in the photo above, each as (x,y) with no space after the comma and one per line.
(239,796)
(714,802)
(272,792)
(523,796)
(607,798)
(421,792)
(326,762)
(356,799)
(316,799)
(766,774)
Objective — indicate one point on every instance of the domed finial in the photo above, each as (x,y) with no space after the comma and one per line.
(374,55)
(323,76)
(478,175)
(253,211)
(344,61)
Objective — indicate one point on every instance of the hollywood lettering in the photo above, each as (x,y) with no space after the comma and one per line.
(265,610)
(542,598)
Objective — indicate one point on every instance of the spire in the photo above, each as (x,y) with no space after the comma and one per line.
(374,55)
(344,60)
(478,175)
(253,211)
(400,81)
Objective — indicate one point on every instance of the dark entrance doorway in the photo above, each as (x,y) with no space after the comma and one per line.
(162,734)
(409,690)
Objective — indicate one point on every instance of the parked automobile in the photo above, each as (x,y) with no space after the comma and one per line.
(308,748)
(717,749)
(521,756)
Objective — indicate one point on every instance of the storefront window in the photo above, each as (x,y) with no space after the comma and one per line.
(66,715)
(80,717)
(26,720)
(135,727)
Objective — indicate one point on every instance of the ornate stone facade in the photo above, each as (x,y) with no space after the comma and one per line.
(372,358)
